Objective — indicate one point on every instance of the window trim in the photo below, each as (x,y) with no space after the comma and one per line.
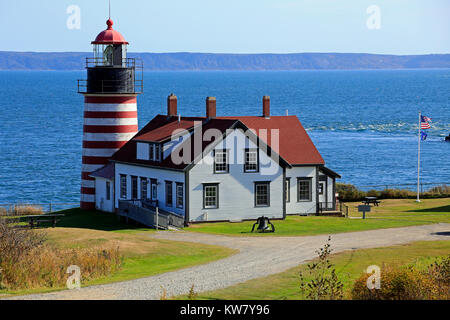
(287,185)
(309,179)
(177,185)
(226,151)
(169,183)
(123,186)
(257,160)
(267,183)
(205,185)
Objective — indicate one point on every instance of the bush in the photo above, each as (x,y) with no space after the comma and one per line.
(408,283)
(324,283)
(21,210)
(26,261)
(348,192)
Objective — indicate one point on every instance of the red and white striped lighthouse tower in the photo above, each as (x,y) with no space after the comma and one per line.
(110,106)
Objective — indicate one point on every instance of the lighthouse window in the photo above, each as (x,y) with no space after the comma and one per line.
(108,55)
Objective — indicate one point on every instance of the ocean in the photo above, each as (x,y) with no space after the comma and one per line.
(364,123)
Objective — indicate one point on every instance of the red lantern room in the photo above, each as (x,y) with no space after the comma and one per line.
(110,70)
(110,47)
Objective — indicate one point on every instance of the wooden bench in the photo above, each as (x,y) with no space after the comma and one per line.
(35,220)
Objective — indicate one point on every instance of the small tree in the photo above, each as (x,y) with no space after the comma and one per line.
(192,295)
(324,283)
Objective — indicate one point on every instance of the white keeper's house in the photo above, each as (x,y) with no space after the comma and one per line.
(219,168)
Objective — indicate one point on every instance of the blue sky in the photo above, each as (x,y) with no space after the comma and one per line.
(232,26)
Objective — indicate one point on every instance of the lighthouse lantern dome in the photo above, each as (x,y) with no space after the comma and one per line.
(110,47)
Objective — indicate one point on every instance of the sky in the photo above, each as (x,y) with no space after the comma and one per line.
(231,26)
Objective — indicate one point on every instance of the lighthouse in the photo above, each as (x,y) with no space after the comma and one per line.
(110,105)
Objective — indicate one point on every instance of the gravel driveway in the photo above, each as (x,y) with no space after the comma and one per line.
(258,257)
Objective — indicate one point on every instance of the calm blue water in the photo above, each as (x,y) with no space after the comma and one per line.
(363,122)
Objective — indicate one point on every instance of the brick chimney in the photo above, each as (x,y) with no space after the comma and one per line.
(210,107)
(266,106)
(172,105)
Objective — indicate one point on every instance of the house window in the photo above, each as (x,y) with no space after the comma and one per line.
(169,193)
(262,194)
(108,190)
(288,189)
(123,186)
(144,183)
(304,190)
(151,152)
(220,161)
(154,189)
(134,187)
(210,196)
(251,160)
(180,191)
(157,152)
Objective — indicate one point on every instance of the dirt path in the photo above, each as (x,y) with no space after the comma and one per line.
(258,257)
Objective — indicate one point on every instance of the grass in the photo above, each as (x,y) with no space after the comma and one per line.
(349,266)
(391,213)
(142,256)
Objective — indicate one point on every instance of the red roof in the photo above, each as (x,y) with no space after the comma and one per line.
(109,36)
(295,145)
(128,152)
(165,131)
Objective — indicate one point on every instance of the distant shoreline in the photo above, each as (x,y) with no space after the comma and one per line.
(74,61)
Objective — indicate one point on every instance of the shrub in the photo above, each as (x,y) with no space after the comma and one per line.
(21,210)
(408,283)
(26,261)
(324,283)
(348,192)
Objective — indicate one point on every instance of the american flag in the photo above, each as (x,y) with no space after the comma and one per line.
(424,122)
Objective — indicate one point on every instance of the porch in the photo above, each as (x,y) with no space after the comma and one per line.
(149,214)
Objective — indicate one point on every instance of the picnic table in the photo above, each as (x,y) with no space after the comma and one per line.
(371,200)
(35,220)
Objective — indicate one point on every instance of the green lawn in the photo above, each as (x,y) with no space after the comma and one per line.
(390,214)
(349,266)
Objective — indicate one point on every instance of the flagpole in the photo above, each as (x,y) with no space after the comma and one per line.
(418,161)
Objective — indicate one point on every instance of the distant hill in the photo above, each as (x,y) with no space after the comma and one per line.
(209,61)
